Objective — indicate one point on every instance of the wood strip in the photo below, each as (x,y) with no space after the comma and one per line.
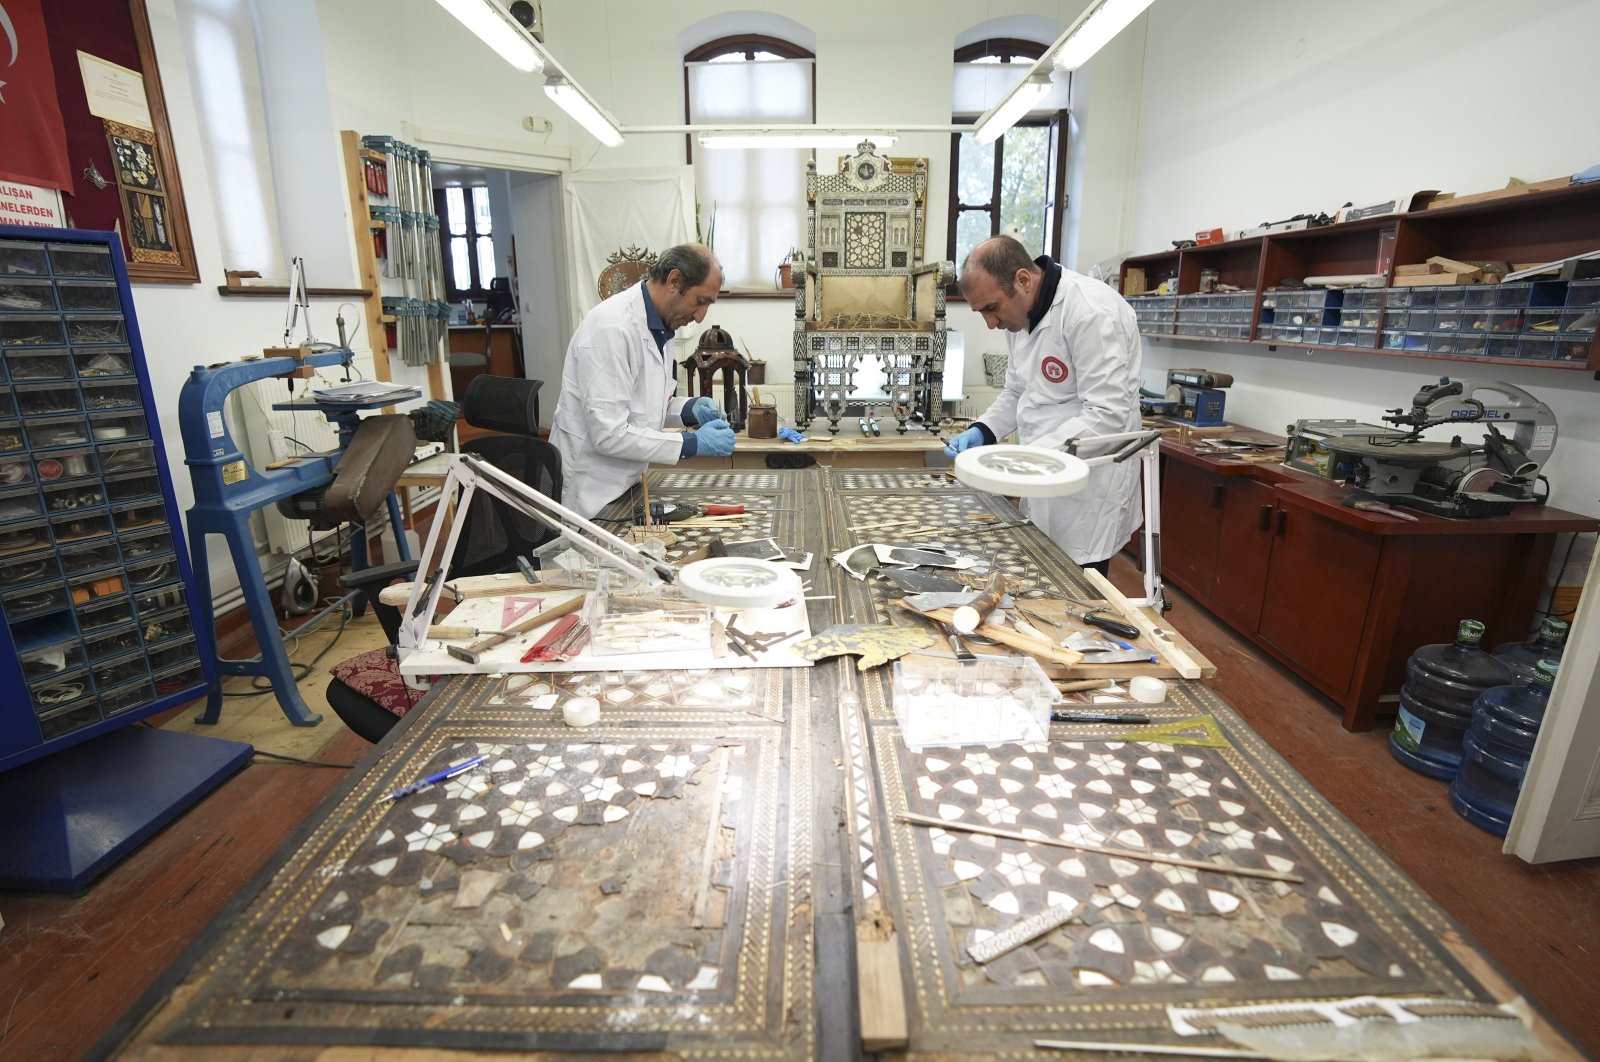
(366,257)
(708,855)
(1005,636)
(1181,661)
(474,586)
(1123,853)
(882,1000)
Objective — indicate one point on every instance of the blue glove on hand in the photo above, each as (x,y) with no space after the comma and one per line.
(790,435)
(714,439)
(973,436)
(700,410)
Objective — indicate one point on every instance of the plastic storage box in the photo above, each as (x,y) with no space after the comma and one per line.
(990,701)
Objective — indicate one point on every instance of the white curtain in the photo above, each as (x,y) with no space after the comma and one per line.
(609,210)
(755,194)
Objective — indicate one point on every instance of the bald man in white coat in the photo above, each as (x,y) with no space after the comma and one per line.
(617,384)
(1073,371)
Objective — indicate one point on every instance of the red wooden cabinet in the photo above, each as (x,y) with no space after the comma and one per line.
(1339,596)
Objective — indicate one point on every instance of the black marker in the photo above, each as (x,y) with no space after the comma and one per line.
(1097,717)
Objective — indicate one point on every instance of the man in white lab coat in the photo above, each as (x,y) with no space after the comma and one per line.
(1073,370)
(617,384)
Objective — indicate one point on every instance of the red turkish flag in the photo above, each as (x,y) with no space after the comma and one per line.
(33,141)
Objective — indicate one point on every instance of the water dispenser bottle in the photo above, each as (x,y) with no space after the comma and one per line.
(1442,683)
(1523,657)
(1497,747)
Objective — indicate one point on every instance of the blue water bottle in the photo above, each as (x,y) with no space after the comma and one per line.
(1523,657)
(1497,747)
(1442,683)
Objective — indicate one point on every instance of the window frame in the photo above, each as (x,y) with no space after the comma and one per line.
(749,44)
(1011,50)
(480,292)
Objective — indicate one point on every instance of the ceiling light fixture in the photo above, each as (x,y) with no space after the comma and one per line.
(499,31)
(1094,29)
(1089,32)
(1018,102)
(781,137)
(572,99)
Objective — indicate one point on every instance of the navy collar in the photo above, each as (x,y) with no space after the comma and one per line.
(652,319)
(1047,290)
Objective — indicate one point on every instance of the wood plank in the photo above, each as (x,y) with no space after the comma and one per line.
(1184,664)
(366,257)
(882,999)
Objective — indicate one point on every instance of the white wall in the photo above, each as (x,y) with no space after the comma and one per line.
(1255,111)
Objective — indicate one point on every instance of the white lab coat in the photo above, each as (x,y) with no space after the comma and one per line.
(616,393)
(1077,374)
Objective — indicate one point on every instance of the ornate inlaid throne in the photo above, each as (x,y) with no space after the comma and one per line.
(863,292)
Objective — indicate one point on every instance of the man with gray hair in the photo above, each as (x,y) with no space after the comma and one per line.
(1073,370)
(617,384)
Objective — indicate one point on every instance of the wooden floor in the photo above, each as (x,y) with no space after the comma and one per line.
(69,967)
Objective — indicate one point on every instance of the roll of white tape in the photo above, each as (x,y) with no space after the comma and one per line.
(1147,690)
(581,711)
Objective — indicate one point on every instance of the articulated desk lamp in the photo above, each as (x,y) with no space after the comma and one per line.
(1042,472)
(728,582)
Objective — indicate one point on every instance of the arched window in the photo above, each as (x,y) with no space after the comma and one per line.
(1020,179)
(749,199)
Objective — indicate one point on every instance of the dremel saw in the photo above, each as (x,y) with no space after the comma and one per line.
(1454,478)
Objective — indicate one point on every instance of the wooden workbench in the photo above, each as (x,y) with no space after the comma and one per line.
(848,449)
(719,866)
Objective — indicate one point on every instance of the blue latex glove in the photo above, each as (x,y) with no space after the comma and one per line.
(714,439)
(973,436)
(790,435)
(700,410)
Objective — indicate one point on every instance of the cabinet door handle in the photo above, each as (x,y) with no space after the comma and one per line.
(1283,521)
(1216,495)
(1266,519)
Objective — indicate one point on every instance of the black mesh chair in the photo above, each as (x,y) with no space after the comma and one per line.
(365,691)
(494,535)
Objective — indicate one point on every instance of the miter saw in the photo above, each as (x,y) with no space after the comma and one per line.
(1454,478)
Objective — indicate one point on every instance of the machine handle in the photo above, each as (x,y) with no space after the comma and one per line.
(1266,519)
(1216,495)
(1283,521)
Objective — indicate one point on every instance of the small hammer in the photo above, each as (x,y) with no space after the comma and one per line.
(472,653)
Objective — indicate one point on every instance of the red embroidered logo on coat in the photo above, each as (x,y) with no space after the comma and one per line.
(1054,369)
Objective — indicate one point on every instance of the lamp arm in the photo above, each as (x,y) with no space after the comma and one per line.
(472,474)
(1141,444)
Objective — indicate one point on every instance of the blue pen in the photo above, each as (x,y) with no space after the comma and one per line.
(434,779)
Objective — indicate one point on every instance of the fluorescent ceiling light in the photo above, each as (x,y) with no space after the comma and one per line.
(1094,30)
(793,138)
(497,29)
(583,110)
(1019,101)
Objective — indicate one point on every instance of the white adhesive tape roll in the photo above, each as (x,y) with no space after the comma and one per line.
(581,711)
(1147,690)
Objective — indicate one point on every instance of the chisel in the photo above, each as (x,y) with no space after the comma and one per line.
(473,652)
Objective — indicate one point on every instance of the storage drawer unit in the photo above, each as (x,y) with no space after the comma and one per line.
(93,592)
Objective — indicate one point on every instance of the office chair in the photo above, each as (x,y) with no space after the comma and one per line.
(366,691)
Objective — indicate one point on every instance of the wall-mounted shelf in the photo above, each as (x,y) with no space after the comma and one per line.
(1549,324)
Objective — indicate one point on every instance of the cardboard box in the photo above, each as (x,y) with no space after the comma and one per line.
(1417,269)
